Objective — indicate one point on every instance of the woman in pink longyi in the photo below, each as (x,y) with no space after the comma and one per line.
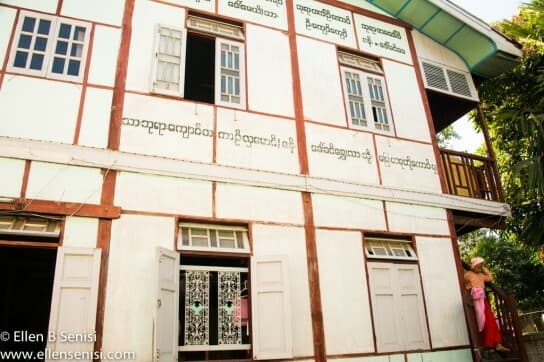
(475,280)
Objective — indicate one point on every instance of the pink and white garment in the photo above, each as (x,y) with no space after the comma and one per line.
(478,295)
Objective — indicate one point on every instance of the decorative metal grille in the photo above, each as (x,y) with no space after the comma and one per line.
(197,307)
(229,302)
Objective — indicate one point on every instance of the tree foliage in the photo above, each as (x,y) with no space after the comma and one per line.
(513,104)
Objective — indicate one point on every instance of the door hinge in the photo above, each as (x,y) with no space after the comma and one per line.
(159,303)
(158,354)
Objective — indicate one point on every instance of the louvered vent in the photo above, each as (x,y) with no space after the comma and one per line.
(449,81)
(435,76)
(459,83)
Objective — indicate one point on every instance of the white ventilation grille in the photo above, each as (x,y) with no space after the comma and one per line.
(215,27)
(446,80)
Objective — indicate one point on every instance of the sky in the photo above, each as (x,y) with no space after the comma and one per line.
(489,11)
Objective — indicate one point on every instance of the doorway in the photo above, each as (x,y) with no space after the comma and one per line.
(26,286)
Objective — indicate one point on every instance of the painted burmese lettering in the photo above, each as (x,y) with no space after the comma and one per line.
(259,10)
(237,137)
(277,2)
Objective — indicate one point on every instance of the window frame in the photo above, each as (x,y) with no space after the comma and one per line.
(367,69)
(212,227)
(49,53)
(388,244)
(241,55)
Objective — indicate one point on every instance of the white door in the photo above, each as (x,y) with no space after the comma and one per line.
(397,304)
(167,308)
(75,296)
(271,308)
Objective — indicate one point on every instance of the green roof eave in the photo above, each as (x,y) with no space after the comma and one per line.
(486,52)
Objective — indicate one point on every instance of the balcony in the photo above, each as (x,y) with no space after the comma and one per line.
(471,176)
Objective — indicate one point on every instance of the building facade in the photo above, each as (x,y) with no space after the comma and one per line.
(239,180)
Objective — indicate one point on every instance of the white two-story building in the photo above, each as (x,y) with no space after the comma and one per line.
(240,179)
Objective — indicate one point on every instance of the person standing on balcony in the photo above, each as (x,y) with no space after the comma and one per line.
(475,280)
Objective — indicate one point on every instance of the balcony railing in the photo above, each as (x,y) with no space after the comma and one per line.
(471,175)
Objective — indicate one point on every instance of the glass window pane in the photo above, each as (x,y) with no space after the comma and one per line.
(77,50)
(237,86)
(73,67)
(230,86)
(24,41)
(230,60)
(40,44)
(223,59)
(79,33)
(213,239)
(58,65)
(20,59)
(199,241)
(227,243)
(185,236)
(28,24)
(239,240)
(36,62)
(62,48)
(236,61)
(223,84)
(44,27)
(64,31)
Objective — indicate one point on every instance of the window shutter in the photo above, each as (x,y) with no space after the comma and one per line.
(167,308)
(449,81)
(272,332)
(397,304)
(75,296)
(229,73)
(169,61)
(385,307)
(412,313)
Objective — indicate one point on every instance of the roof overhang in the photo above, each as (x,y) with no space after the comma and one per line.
(486,52)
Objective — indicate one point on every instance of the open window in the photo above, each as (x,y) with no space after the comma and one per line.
(365,94)
(204,63)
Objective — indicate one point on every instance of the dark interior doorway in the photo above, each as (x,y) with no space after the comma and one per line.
(200,68)
(26,286)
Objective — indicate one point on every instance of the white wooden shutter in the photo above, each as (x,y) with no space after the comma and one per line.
(271,308)
(412,312)
(75,296)
(229,73)
(167,310)
(385,307)
(168,76)
(397,304)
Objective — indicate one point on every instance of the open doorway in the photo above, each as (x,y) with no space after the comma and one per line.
(26,288)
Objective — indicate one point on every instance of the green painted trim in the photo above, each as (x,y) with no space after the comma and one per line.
(454,33)
(430,18)
(486,57)
(402,7)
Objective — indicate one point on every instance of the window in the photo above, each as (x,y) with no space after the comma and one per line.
(383,248)
(49,46)
(366,98)
(194,236)
(397,299)
(201,64)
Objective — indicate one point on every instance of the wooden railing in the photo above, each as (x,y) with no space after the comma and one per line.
(507,316)
(471,175)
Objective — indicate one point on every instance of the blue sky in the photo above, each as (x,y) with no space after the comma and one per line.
(489,11)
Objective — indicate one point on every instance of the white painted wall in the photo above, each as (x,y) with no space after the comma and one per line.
(291,241)
(206,5)
(417,219)
(7,17)
(95,121)
(47,6)
(348,212)
(50,181)
(80,232)
(274,12)
(147,14)
(173,116)
(152,193)
(243,151)
(407,176)
(39,109)
(459,355)
(406,102)
(442,295)
(94,10)
(431,50)
(258,204)
(269,81)
(320,82)
(344,292)
(12,177)
(366,5)
(131,284)
(104,58)
(341,154)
